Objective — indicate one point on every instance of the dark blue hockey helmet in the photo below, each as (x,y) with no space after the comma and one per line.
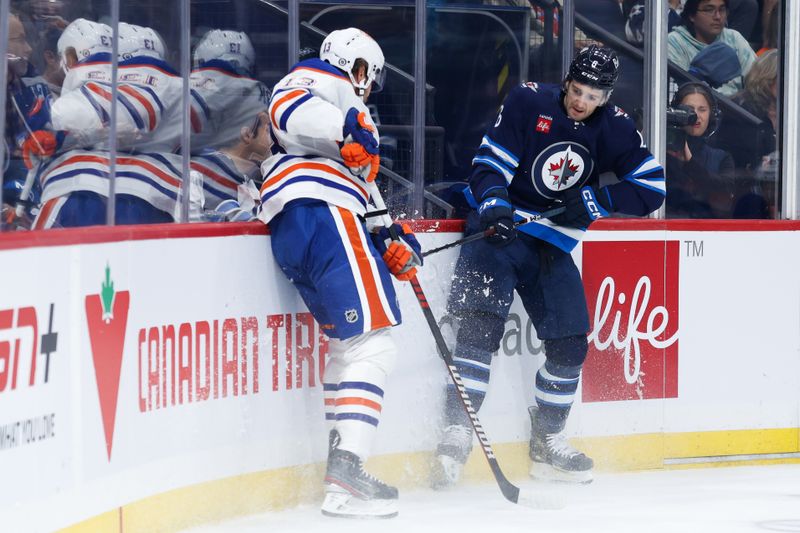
(596,66)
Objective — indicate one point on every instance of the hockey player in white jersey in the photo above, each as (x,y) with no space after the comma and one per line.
(232,172)
(224,93)
(148,185)
(314,199)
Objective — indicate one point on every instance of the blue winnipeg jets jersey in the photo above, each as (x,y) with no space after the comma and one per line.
(537,152)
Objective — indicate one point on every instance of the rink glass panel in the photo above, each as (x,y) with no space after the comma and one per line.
(473,54)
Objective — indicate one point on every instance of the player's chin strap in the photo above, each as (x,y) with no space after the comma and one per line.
(511,492)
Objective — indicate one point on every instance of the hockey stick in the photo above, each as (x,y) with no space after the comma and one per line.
(511,492)
(491,231)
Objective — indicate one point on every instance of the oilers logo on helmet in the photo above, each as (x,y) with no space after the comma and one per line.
(560,166)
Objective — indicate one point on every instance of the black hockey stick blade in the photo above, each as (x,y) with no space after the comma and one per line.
(490,231)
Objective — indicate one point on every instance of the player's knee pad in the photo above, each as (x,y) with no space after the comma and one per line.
(481,330)
(376,347)
(568,351)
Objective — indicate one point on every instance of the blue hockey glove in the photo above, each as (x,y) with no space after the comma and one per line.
(497,212)
(583,206)
(357,127)
(403,256)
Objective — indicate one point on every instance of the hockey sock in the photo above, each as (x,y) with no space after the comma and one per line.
(555,392)
(365,363)
(330,387)
(473,365)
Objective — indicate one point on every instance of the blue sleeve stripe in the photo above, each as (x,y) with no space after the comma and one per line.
(137,118)
(660,186)
(154,96)
(289,110)
(101,112)
(201,103)
(494,165)
(501,152)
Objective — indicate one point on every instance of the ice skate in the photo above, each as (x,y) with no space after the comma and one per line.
(350,492)
(553,457)
(451,454)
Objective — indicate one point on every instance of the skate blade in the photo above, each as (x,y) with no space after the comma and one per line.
(445,472)
(546,472)
(344,505)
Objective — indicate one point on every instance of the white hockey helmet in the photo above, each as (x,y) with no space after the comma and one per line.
(341,48)
(86,38)
(226,45)
(139,41)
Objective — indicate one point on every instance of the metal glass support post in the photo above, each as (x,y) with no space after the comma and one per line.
(293,33)
(655,86)
(566,27)
(112,133)
(420,78)
(4,91)
(186,140)
(789,110)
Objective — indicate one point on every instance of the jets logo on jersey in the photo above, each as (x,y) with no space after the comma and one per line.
(559,167)
(544,123)
(533,86)
(619,112)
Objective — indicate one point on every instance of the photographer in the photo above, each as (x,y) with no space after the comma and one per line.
(699,177)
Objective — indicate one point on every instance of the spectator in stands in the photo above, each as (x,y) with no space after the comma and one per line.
(699,177)
(754,144)
(759,98)
(705,25)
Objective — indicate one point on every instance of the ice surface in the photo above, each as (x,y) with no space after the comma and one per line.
(704,500)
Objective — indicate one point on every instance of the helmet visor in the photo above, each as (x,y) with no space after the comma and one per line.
(378,80)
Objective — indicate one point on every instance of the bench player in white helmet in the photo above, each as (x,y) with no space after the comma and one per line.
(148,182)
(314,198)
(224,94)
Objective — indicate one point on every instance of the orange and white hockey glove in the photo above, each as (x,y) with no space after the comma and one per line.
(39,145)
(402,256)
(363,150)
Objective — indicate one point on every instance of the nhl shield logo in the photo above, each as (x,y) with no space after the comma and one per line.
(559,167)
(351,315)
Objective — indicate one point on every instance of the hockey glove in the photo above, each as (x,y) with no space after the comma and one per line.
(363,150)
(230,211)
(583,206)
(496,212)
(40,145)
(402,256)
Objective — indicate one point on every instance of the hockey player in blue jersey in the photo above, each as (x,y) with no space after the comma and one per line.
(547,148)
(314,198)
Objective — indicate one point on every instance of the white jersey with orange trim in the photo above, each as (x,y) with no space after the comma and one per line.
(155,178)
(220,177)
(307,111)
(148,114)
(222,103)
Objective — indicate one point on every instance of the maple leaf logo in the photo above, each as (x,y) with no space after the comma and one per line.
(562,171)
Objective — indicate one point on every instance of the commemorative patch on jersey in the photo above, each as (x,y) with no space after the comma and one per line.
(544,123)
(560,166)
(301,82)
